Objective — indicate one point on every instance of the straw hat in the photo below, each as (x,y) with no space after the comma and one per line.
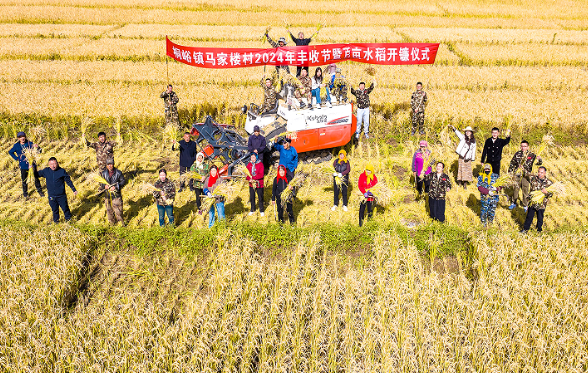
(469,128)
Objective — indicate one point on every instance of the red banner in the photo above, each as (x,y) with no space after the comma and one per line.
(311,55)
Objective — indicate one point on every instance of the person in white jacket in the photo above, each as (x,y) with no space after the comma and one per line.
(467,155)
(317,84)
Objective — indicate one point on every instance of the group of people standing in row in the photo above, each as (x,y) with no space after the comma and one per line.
(520,168)
(205,178)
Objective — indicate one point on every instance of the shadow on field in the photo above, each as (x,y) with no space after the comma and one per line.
(236,206)
(182,213)
(137,206)
(301,204)
(473,203)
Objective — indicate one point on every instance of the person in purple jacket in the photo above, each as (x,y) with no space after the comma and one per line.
(420,159)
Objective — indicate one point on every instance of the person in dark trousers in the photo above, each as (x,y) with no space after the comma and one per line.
(56,178)
(301,41)
(113,198)
(492,152)
(439,185)
(539,182)
(17,153)
(256,169)
(280,184)
(288,156)
(256,143)
(367,180)
(187,149)
(200,169)
(341,175)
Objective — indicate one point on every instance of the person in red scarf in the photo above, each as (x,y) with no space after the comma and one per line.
(255,167)
(210,184)
(367,180)
(280,184)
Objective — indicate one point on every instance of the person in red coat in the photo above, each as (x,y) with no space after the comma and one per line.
(367,180)
(255,167)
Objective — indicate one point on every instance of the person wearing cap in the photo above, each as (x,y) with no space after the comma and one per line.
(339,86)
(256,143)
(200,169)
(170,100)
(56,178)
(17,153)
(488,194)
(304,92)
(421,167)
(418,103)
(281,43)
(492,152)
(439,185)
(188,151)
(104,150)
(342,168)
(257,172)
(301,41)
(466,149)
(521,166)
(363,108)
(288,156)
(113,198)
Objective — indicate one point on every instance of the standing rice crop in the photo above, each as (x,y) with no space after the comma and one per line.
(117,125)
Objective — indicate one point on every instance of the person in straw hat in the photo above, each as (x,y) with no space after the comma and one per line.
(466,149)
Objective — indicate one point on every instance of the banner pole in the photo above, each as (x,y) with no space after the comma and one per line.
(167,68)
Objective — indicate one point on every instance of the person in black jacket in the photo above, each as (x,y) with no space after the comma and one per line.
(280,184)
(187,149)
(113,198)
(492,152)
(56,178)
(341,179)
(301,40)
(256,143)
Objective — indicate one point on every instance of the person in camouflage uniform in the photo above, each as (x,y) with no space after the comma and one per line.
(164,198)
(488,194)
(539,182)
(439,185)
(305,91)
(170,100)
(104,150)
(270,96)
(281,43)
(363,108)
(521,166)
(339,87)
(418,103)
(113,198)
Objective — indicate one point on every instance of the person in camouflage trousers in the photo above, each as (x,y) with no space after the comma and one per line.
(418,103)
(339,87)
(270,96)
(521,166)
(488,194)
(170,100)
(439,185)
(539,182)
(306,86)
(104,150)
(113,198)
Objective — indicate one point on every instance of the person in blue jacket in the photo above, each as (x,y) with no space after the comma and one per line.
(17,153)
(288,156)
(56,178)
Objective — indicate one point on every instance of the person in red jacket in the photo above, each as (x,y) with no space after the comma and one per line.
(367,180)
(255,167)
